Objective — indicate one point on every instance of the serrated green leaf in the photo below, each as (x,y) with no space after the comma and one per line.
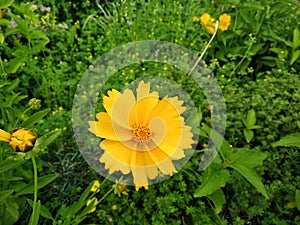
(215,181)
(42,182)
(248,157)
(297,199)
(35,118)
(251,176)
(5,3)
(290,140)
(8,164)
(248,135)
(218,198)
(5,194)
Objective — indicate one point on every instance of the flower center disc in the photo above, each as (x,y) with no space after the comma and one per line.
(141,133)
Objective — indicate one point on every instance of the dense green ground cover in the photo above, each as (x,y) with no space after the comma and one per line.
(256,62)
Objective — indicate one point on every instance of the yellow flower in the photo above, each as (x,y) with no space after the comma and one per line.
(95,186)
(208,23)
(95,203)
(21,139)
(206,19)
(142,134)
(224,22)
(195,19)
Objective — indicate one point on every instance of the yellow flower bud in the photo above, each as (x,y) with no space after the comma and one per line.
(22,140)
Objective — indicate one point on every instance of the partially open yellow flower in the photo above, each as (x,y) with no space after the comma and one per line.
(95,204)
(95,186)
(224,20)
(142,134)
(21,139)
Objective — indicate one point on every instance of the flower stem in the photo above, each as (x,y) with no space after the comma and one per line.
(35,189)
(103,197)
(205,49)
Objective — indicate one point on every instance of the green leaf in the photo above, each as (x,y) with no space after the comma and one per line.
(295,56)
(13,65)
(80,203)
(35,118)
(8,164)
(44,211)
(22,24)
(251,176)
(248,135)
(34,219)
(47,138)
(218,198)
(251,118)
(214,181)
(290,140)
(12,208)
(297,199)
(5,194)
(42,182)
(219,141)
(1,38)
(296,38)
(5,3)
(248,157)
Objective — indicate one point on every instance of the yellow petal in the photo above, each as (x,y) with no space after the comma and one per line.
(105,128)
(167,167)
(109,101)
(139,176)
(159,130)
(143,91)
(113,165)
(122,107)
(4,136)
(141,111)
(118,152)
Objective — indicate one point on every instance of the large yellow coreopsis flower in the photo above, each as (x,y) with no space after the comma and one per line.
(142,134)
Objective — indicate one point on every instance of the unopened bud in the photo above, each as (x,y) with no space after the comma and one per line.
(22,140)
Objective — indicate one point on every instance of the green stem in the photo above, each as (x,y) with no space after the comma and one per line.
(103,197)
(35,189)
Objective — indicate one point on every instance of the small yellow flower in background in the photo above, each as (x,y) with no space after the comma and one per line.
(206,19)
(142,134)
(224,22)
(208,22)
(195,19)
(21,139)
(95,203)
(95,186)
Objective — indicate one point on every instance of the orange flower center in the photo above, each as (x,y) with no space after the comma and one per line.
(141,133)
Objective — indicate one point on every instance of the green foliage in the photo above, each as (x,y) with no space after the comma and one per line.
(290,140)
